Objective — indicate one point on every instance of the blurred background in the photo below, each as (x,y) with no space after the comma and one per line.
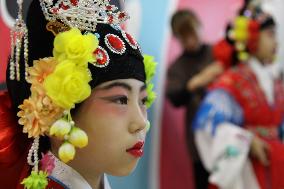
(167,163)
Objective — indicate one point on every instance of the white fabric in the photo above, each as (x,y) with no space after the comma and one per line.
(227,172)
(70,177)
(106,183)
(265,76)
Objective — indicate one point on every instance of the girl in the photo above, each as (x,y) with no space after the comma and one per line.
(80,92)
(239,125)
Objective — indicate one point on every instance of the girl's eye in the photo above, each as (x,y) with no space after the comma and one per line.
(144,101)
(121,100)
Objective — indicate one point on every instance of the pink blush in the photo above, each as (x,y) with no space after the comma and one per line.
(100,106)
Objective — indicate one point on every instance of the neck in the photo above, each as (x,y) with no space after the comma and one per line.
(93,178)
(263,61)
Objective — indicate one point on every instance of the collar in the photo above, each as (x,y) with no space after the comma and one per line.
(265,78)
(69,177)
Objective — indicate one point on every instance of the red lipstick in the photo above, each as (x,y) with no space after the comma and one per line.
(137,149)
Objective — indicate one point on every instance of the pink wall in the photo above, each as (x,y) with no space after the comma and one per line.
(175,164)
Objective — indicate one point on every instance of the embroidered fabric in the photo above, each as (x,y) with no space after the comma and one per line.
(212,112)
(264,77)
(69,177)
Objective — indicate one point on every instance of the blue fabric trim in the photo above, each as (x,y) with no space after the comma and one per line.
(58,182)
(281,131)
(217,107)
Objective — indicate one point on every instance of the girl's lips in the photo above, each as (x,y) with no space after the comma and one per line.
(137,149)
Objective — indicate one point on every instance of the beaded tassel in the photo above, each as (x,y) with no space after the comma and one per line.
(18,35)
(33,154)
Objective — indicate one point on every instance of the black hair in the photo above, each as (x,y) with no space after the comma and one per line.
(184,21)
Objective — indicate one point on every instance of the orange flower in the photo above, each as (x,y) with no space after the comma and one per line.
(38,114)
(40,70)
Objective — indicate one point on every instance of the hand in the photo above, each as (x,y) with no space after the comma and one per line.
(193,84)
(259,149)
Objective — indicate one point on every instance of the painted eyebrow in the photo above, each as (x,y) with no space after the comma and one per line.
(123,85)
(117,84)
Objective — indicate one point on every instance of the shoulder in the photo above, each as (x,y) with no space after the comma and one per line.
(178,65)
(233,81)
(230,78)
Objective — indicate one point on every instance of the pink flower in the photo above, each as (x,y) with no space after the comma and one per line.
(47,163)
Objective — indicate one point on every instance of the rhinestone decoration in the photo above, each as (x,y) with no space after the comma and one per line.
(19,37)
(130,40)
(115,44)
(82,14)
(101,57)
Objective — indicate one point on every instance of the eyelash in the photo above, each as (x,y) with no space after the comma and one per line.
(123,100)
(144,101)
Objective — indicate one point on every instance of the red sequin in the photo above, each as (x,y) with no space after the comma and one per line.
(64,7)
(54,10)
(121,15)
(74,2)
(110,19)
(109,7)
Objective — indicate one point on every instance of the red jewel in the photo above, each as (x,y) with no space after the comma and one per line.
(54,10)
(131,39)
(74,2)
(110,19)
(109,7)
(114,43)
(121,15)
(101,57)
(64,7)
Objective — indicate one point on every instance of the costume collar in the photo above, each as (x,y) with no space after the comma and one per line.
(265,78)
(70,178)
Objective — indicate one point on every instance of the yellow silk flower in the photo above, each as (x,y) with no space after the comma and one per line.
(242,23)
(241,29)
(68,85)
(74,46)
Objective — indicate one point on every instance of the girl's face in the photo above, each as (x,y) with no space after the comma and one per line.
(267,45)
(114,118)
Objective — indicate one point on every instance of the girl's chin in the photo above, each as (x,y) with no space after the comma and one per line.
(124,171)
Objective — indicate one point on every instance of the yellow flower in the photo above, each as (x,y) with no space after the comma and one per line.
(243,56)
(241,23)
(240,31)
(241,35)
(150,70)
(60,128)
(66,152)
(68,84)
(78,138)
(74,46)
